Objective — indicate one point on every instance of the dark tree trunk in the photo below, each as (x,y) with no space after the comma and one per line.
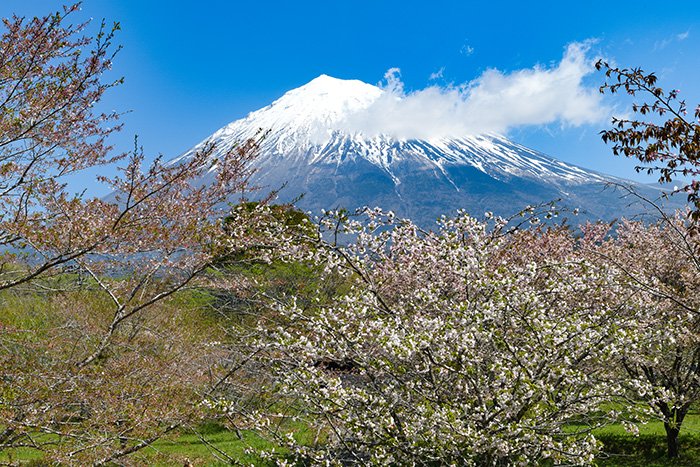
(672,440)
(672,425)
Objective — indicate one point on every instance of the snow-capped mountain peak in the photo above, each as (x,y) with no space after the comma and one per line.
(310,113)
(309,150)
(306,126)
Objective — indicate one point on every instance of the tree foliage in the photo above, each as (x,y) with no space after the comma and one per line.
(659,266)
(101,384)
(665,139)
(483,343)
(474,345)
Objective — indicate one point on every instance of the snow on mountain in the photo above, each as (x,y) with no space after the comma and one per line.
(311,150)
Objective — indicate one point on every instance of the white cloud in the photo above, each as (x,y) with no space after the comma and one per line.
(466,50)
(437,75)
(663,43)
(394,85)
(492,103)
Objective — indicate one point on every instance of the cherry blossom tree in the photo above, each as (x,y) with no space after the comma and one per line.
(665,139)
(660,261)
(478,344)
(74,391)
(51,77)
(660,265)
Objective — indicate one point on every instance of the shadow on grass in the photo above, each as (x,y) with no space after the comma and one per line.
(646,450)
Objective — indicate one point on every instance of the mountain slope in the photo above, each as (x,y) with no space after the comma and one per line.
(312,150)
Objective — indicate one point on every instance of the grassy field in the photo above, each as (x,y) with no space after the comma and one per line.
(620,448)
(216,446)
(219,445)
(649,448)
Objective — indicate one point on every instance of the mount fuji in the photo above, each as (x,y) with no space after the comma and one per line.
(313,150)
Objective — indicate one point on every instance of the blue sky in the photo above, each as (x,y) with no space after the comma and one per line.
(192,67)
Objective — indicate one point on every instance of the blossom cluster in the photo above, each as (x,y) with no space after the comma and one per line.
(479,343)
